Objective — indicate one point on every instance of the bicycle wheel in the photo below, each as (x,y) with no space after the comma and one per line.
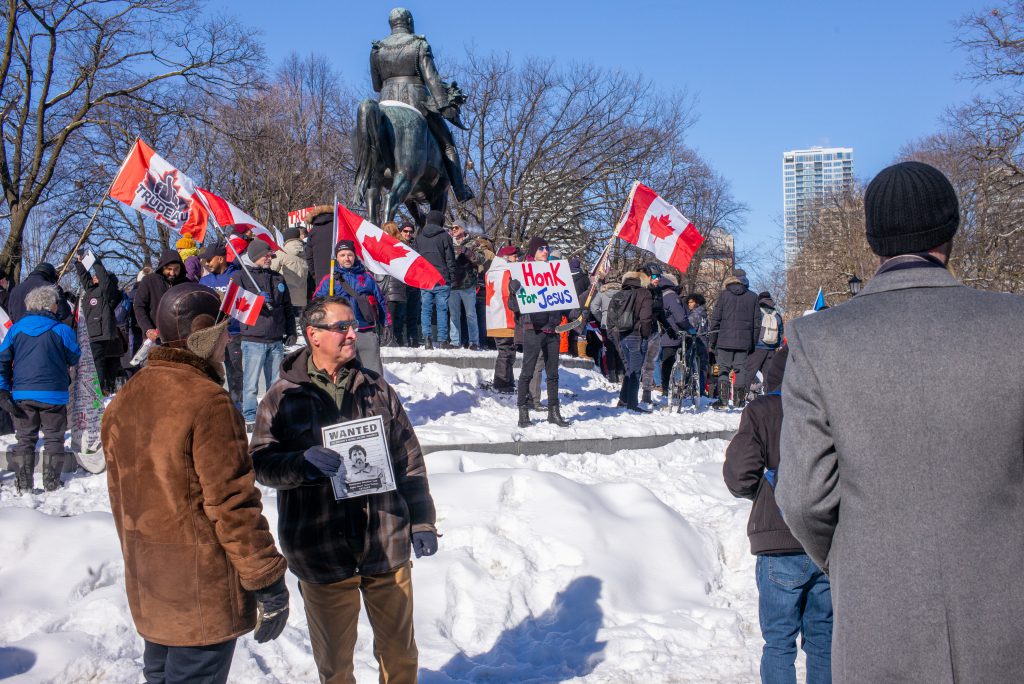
(695,388)
(677,384)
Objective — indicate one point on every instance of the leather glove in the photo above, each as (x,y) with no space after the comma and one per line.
(271,611)
(291,340)
(424,544)
(322,461)
(7,404)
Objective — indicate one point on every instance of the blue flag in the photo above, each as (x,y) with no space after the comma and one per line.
(819,303)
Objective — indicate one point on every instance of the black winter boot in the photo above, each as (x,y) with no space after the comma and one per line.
(524,417)
(53,464)
(554,416)
(429,344)
(647,397)
(23,479)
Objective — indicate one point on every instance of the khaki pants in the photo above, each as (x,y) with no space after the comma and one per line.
(332,613)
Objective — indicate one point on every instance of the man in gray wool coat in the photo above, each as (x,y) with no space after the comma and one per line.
(902,455)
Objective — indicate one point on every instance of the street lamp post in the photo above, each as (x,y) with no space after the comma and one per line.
(855,284)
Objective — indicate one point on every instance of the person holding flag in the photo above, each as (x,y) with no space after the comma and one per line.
(356,285)
(264,339)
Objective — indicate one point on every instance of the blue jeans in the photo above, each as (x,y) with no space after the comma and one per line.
(429,299)
(257,358)
(794,598)
(463,299)
(634,349)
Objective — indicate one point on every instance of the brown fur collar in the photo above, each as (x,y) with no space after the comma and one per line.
(184,356)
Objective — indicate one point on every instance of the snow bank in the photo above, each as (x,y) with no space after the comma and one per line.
(631,567)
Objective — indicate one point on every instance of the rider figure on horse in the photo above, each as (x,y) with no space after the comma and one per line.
(402,69)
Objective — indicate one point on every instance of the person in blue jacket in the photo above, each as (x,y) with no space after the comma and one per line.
(359,288)
(34,379)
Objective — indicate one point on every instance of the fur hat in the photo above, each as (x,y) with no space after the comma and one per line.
(187,317)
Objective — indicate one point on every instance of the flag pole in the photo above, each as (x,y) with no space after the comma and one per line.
(238,257)
(333,253)
(85,233)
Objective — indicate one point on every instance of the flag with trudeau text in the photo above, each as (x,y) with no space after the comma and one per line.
(5,324)
(241,304)
(653,224)
(227,214)
(499,316)
(385,255)
(148,183)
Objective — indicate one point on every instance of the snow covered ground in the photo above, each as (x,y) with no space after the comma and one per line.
(629,567)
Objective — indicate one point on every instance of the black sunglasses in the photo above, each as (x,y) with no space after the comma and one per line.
(338,326)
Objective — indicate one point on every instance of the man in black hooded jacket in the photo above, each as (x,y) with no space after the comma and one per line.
(44,274)
(170,271)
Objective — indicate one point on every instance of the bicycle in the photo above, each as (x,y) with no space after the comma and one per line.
(686,381)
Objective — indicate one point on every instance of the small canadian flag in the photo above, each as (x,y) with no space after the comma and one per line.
(5,324)
(242,305)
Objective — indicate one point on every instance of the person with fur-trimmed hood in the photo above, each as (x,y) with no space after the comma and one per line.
(352,549)
(201,566)
(735,322)
(633,340)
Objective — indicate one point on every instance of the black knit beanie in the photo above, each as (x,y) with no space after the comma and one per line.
(910,207)
(536,242)
(435,218)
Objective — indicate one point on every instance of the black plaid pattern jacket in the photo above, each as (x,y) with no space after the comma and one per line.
(313,529)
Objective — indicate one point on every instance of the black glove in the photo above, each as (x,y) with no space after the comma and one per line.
(322,461)
(271,611)
(291,340)
(424,543)
(7,404)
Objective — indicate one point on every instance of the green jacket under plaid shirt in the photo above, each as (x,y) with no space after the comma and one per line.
(325,540)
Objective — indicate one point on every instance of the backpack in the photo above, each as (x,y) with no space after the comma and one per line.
(769,326)
(620,312)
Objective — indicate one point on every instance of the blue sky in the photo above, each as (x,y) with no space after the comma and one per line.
(769,76)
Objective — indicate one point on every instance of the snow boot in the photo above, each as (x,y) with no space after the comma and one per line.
(53,464)
(428,344)
(524,417)
(639,409)
(555,417)
(23,479)
(646,399)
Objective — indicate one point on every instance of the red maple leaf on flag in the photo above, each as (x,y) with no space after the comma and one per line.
(490,291)
(660,226)
(384,251)
(241,304)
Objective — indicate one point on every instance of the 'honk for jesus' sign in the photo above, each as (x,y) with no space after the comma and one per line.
(546,286)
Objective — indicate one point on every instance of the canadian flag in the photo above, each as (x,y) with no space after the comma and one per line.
(227,214)
(498,315)
(651,223)
(148,183)
(383,254)
(5,324)
(241,304)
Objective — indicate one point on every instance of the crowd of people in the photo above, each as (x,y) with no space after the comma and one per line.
(866,507)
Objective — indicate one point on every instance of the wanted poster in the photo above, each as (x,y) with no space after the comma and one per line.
(365,460)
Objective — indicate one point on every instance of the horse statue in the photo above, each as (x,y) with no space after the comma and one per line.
(398,159)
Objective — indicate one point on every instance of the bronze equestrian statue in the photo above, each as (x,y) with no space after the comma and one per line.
(403,148)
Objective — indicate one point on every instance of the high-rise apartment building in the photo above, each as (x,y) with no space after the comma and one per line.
(808,176)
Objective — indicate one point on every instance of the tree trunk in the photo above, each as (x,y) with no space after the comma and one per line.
(10,257)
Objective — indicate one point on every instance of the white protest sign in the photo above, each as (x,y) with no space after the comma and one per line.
(546,286)
(365,460)
(88,259)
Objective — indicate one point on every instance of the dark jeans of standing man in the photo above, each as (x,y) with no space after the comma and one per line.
(52,419)
(757,361)
(730,360)
(412,317)
(187,664)
(634,350)
(504,375)
(397,329)
(535,344)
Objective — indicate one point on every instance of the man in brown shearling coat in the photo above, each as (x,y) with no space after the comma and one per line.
(200,561)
